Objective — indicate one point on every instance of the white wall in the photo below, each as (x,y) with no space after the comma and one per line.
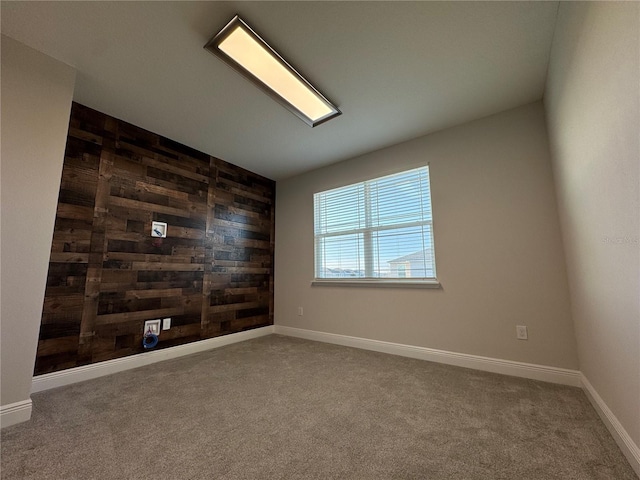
(593,110)
(497,238)
(36,100)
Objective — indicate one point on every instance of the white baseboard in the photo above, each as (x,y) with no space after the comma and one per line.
(620,435)
(13,413)
(506,367)
(95,370)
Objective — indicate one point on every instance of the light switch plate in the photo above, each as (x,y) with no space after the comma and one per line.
(166,323)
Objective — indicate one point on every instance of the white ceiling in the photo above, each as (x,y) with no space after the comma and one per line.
(397,70)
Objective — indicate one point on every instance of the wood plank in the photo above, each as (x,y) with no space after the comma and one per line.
(84,135)
(94,272)
(180,331)
(241,291)
(75,212)
(69,257)
(63,303)
(138,316)
(181,267)
(163,292)
(126,214)
(145,257)
(265,271)
(149,187)
(126,236)
(57,345)
(244,191)
(147,207)
(239,226)
(119,276)
(169,167)
(74,236)
(239,264)
(183,232)
(127,169)
(61,291)
(233,307)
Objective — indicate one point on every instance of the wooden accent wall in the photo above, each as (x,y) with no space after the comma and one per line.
(213,274)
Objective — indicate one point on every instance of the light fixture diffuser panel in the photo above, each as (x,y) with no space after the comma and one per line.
(244,50)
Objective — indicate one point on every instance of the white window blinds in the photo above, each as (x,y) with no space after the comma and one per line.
(378,229)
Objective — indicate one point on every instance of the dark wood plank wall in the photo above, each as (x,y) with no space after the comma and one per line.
(213,274)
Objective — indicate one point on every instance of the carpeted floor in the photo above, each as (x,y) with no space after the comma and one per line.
(280,408)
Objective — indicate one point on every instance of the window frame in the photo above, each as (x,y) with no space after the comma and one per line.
(369,279)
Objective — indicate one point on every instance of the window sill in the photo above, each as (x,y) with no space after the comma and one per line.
(321,282)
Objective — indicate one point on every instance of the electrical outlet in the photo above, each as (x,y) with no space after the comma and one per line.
(300,311)
(153,326)
(521,332)
(166,323)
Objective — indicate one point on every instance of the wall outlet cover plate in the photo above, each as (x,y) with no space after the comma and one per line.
(521,332)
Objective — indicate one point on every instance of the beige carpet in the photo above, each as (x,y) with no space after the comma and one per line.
(280,408)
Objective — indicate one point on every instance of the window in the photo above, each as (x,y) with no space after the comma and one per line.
(402,271)
(378,231)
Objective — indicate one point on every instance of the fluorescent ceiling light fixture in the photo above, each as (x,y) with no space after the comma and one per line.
(244,50)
